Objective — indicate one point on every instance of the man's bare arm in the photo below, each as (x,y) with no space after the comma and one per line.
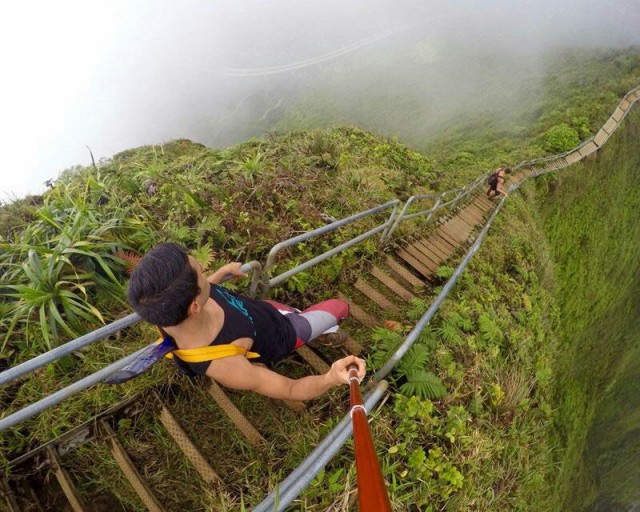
(230,269)
(238,373)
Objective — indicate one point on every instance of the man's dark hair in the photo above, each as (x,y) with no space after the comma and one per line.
(508,170)
(163,285)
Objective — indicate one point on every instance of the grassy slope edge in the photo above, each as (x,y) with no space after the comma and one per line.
(591,216)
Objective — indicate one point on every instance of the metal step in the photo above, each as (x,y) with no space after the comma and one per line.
(392,284)
(358,313)
(432,255)
(189,449)
(313,359)
(68,488)
(422,258)
(443,232)
(457,230)
(463,226)
(473,214)
(415,263)
(434,244)
(376,296)
(404,273)
(126,465)
(446,246)
(234,414)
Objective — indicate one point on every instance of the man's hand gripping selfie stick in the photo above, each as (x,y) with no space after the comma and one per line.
(372,492)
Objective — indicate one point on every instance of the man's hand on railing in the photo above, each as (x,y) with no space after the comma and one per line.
(228,271)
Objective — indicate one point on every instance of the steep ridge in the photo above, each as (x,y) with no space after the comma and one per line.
(591,218)
(398,279)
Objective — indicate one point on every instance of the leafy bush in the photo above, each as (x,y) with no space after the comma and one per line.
(560,137)
(424,445)
(57,270)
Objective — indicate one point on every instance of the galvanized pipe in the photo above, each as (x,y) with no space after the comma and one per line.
(318,231)
(429,211)
(274,281)
(388,224)
(86,339)
(64,393)
(63,350)
(256,266)
(291,487)
(402,214)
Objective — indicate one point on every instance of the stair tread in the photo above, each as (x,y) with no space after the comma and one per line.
(392,284)
(358,313)
(405,274)
(376,296)
(415,263)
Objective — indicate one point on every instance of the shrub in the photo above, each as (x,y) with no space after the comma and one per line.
(560,137)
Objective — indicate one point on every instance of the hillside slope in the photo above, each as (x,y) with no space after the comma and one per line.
(514,370)
(591,215)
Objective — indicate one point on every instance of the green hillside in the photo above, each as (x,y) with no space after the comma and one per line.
(535,354)
(591,214)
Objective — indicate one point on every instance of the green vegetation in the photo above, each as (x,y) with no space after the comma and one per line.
(64,270)
(560,138)
(486,441)
(591,216)
(490,410)
(500,119)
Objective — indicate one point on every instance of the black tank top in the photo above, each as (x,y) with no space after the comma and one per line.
(272,334)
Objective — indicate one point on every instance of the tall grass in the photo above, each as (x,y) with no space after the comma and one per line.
(592,219)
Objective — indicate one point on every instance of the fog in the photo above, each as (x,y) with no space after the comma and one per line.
(118,74)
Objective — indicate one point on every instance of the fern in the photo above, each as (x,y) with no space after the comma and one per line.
(429,339)
(450,333)
(466,324)
(415,359)
(385,343)
(417,308)
(424,384)
(490,329)
(460,320)
(445,271)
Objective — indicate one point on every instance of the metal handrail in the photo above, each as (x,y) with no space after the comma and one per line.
(302,475)
(72,346)
(426,318)
(88,381)
(559,156)
(66,392)
(307,470)
(402,214)
(439,205)
(268,282)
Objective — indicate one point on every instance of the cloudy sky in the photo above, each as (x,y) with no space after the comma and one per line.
(114,75)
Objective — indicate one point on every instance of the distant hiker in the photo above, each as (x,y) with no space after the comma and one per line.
(168,289)
(496,182)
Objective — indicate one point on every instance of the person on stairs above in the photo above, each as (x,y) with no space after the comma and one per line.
(168,288)
(496,182)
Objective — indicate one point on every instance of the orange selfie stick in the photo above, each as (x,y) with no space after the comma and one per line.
(372,492)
